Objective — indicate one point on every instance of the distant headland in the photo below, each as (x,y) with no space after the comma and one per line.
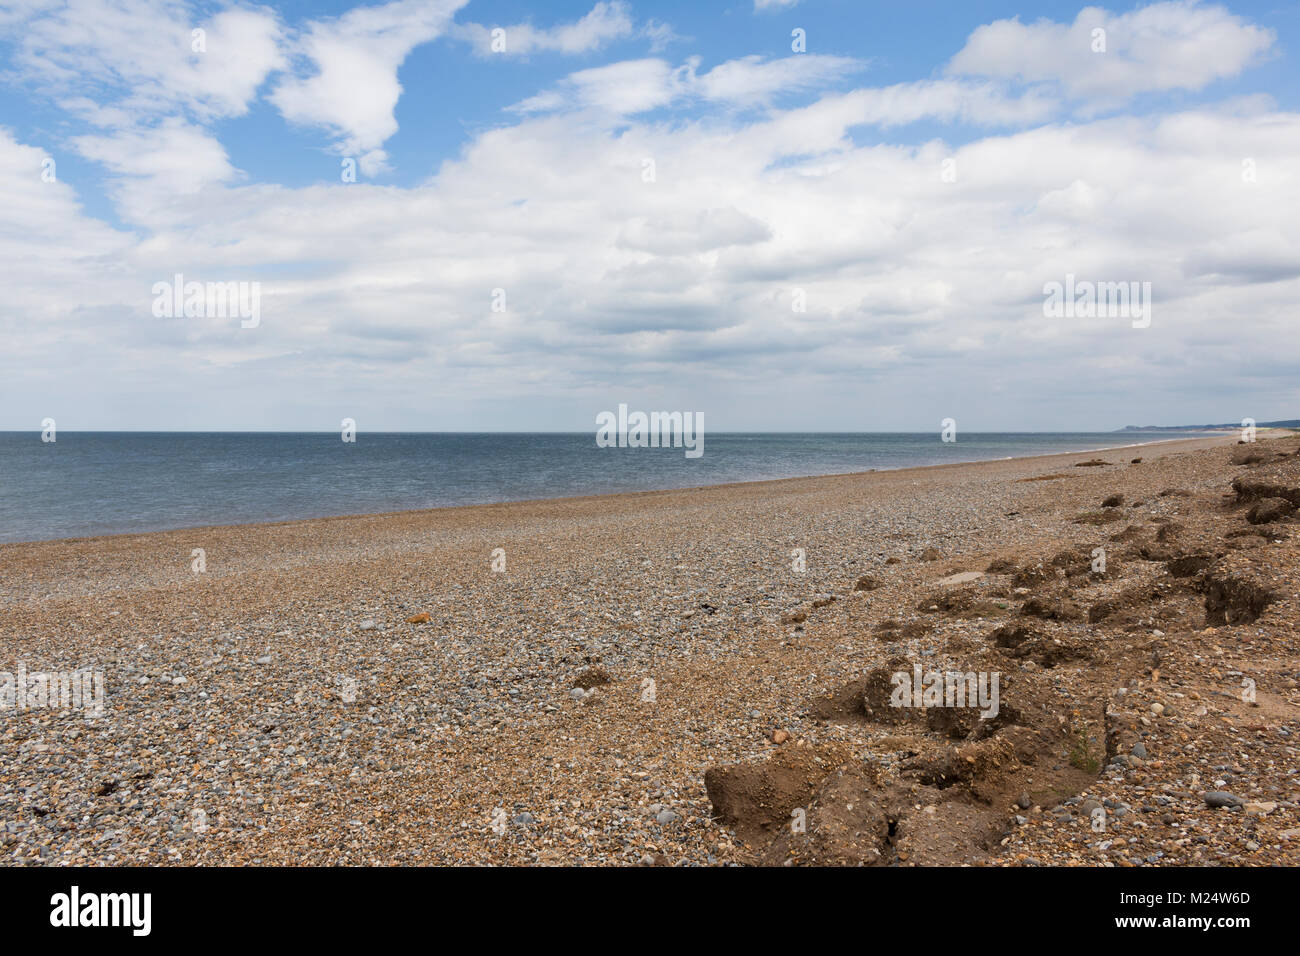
(1226,426)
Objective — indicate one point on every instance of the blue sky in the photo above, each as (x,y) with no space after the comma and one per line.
(450,93)
(781,177)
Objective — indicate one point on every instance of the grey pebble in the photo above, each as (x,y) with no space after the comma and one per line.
(1222,798)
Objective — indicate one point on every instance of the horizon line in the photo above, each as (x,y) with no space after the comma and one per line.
(566,431)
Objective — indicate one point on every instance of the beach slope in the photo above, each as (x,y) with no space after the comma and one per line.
(697,676)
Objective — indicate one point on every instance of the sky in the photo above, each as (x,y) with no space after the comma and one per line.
(808,215)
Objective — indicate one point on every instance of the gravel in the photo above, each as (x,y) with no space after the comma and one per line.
(282,700)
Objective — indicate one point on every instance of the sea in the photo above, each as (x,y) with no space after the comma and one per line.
(97,483)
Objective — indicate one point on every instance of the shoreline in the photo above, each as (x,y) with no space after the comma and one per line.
(754,483)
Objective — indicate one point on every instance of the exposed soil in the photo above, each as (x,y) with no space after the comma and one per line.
(1113,699)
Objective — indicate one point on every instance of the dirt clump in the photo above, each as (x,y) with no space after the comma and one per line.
(1235,597)
(1105,516)
(1267,510)
(592,677)
(753,797)
(1051,608)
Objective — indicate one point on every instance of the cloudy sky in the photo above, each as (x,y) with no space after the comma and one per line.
(785,214)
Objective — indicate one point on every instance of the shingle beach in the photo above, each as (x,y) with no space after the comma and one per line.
(394,689)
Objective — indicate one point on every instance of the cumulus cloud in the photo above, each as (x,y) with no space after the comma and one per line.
(144,56)
(349,85)
(153,76)
(175,155)
(1103,59)
(695,274)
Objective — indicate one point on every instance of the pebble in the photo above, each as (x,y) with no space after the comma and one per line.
(1222,798)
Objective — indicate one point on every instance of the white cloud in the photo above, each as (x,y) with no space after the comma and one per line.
(752,79)
(689,279)
(626,88)
(635,86)
(685,234)
(94,50)
(44,226)
(607,21)
(1181,44)
(350,86)
(137,70)
(760,5)
(175,156)
(979,104)
(660,35)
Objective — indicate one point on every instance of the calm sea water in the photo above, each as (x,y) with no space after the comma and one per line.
(89,483)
